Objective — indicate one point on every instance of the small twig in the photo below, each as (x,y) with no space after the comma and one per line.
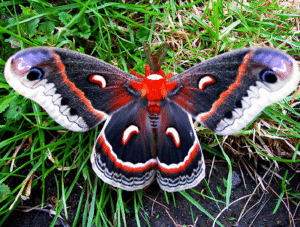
(211,168)
(171,218)
(298,204)
(176,225)
(295,95)
(290,214)
(156,202)
(249,172)
(28,188)
(276,174)
(152,208)
(226,208)
(51,211)
(28,209)
(239,165)
(58,166)
(259,210)
(242,214)
(12,161)
(21,190)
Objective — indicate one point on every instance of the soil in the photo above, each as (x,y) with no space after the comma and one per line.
(245,210)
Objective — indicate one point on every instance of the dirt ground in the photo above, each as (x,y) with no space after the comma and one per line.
(244,210)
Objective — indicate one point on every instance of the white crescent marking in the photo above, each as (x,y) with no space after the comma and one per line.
(205,81)
(98,79)
(174,134)
(128,132)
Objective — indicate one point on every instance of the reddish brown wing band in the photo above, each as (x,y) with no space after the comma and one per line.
(149,126)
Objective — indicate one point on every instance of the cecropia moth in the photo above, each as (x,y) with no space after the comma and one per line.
(149,119)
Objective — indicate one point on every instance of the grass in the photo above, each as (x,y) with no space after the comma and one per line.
(34,148)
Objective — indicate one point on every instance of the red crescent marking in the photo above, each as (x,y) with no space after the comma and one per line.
(108,152)
(226,93)
(183,167)
(73,87)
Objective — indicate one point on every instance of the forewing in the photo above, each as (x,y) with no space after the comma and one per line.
(78,91)
(226,92)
